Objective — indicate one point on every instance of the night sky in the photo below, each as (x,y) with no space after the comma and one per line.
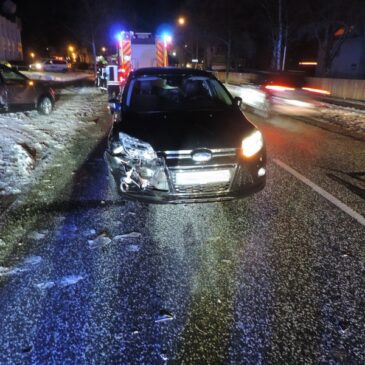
(55,23)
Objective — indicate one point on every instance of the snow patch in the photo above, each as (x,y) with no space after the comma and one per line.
(36,236)
(29,141)
(57,76)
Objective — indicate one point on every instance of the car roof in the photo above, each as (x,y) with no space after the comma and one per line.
(150,71)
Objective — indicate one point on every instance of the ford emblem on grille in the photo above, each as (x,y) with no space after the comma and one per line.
(201,156)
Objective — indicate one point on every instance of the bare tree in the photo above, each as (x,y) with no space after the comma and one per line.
(331,23)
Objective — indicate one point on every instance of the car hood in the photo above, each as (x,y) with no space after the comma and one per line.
(187,130)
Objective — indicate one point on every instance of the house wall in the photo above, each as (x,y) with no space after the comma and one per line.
(349,62)
(10,40)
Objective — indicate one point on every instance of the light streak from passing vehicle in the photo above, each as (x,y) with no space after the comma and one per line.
(317,91)
(279,88)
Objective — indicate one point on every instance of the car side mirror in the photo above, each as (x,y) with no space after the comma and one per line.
(115,106)
(237,100)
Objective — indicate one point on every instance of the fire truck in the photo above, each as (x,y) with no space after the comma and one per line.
(134,51)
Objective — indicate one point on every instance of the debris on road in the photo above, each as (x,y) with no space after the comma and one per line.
(100,241)
(33,260)
(46,285)
(70,280)
(164,315)
(133,248)
(127,235)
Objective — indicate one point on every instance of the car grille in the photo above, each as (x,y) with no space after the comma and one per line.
(181,161)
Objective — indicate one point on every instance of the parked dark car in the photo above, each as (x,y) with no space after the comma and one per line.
(179,136)
(18,93)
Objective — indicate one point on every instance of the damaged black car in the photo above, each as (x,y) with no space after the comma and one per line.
(179,136)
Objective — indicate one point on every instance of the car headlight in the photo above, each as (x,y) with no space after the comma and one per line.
(252,144)
(133,148)
(38,66)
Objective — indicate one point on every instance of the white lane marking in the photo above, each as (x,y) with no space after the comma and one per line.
(322,192)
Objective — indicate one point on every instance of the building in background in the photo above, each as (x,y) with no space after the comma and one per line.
(350,60)
(10,29)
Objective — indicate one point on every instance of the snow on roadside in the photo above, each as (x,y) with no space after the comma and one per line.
(348,118)
(29,140)
(57,76)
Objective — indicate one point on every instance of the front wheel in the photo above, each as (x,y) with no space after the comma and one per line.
(45,105)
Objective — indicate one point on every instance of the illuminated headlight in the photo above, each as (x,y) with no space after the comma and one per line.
(38,66)
(133,148)
(252,144)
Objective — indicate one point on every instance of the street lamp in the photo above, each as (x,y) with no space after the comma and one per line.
(32,55)
(71,48)
(181,21)
(103,49)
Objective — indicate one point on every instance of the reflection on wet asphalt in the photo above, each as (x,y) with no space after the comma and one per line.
(277,278)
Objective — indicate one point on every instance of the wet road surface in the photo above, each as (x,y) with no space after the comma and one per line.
(277,278)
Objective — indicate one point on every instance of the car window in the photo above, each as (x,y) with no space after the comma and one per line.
(11,77)
(49,62)
(176,92)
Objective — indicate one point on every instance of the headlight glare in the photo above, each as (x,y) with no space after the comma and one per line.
(252,144)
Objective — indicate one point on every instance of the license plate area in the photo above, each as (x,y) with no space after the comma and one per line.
(205,177)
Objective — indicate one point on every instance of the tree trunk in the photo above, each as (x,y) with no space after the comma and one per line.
(228,60)
(280,37)
(93,47)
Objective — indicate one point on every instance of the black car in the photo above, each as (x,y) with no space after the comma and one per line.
(179,136)
(18,93)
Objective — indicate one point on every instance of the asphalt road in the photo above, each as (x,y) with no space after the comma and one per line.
(277,278)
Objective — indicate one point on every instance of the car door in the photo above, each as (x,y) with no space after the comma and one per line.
(19,90)
(3,96)
(48,66)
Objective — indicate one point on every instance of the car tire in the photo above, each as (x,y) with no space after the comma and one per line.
(45,105)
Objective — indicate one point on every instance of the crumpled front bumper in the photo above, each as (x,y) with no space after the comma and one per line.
(244,181)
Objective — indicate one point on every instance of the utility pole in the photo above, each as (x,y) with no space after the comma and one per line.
(280,36)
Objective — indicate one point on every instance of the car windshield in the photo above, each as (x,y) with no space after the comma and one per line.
(176,92)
